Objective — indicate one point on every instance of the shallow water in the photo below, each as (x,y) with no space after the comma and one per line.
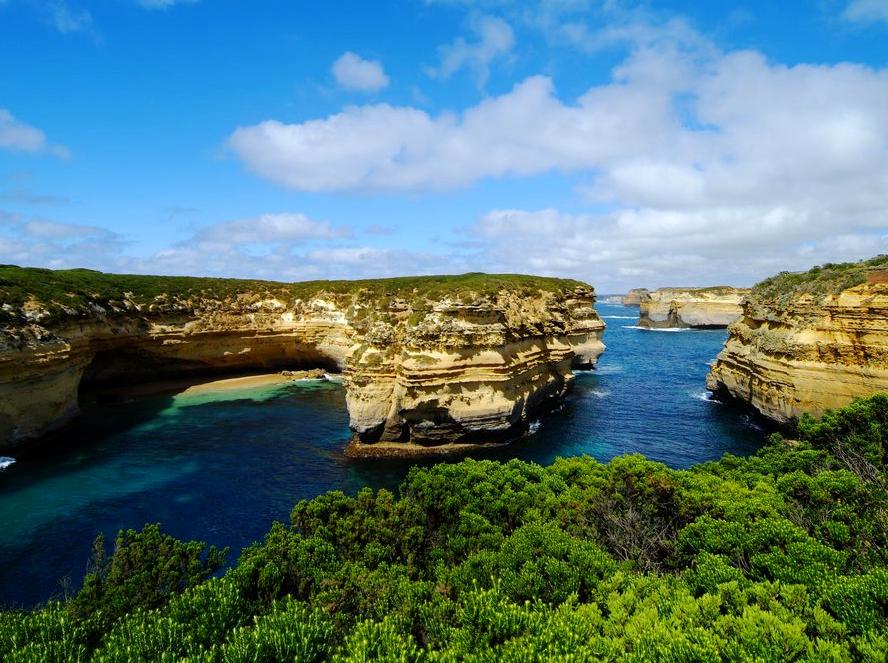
(220,467)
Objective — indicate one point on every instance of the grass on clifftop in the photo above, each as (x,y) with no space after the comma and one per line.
(828,279)
(77,288)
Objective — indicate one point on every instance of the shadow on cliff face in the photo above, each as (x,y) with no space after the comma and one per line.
(130,387)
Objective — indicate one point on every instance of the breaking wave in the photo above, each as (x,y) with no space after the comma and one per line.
(705,396)
(6,461)
(658,329)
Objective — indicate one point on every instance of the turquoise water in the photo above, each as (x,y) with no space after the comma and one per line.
(221,467)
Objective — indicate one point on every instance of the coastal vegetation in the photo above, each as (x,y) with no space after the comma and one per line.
(827,279)
(65,293)
(780,556)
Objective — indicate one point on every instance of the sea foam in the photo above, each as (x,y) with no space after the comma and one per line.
(704,396)
(658,329)
(6,461)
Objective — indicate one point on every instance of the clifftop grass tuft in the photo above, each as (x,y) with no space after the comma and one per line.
(71,291)
(823,280)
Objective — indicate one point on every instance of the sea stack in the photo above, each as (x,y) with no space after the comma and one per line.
(634,296)
(429,364)
(808,341)
(695,308)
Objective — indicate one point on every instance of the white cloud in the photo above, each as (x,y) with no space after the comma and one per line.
(716,166)
(353,72)
(494,39)
(270,228)
(48,243)
(271,246)
(67,20)
(867,11)
(17,136)
(164,4)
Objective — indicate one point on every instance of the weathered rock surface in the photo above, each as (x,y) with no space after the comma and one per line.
(425,365)
(704,308)
(808,342)
(634,296)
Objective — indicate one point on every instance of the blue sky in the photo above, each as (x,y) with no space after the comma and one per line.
(622,143)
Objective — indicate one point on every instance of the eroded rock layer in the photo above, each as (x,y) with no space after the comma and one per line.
(704,308)
(634,296)
(428,363)
(808,342)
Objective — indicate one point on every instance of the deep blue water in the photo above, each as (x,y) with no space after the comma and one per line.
(221,468)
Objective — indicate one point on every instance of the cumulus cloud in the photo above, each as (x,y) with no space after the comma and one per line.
(494,39)
(49,243)
(17,136)
(270,229)
(713,165)
(629,248)
(287,246)
(353,72)
(867,11)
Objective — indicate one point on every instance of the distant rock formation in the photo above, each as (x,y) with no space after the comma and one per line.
(634,296)
(429,363)
(702,308)
(807,342)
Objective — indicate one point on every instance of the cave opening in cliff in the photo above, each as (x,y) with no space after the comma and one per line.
(114,374)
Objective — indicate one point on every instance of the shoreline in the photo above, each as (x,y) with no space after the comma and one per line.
(205,385)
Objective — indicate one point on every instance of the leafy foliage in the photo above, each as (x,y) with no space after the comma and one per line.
(781,556)
(828,279)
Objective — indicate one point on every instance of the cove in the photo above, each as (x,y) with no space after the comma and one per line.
(220,467)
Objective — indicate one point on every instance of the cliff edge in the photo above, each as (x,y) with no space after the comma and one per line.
(808,341)
(429,363)
(703,308)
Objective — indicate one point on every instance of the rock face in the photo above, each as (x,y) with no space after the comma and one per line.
(808,342)
(702,308)
(634,296)
(428,364)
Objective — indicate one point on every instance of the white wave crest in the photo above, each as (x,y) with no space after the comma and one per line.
(704,396)
(534,426)
(6,461)
(600,393)
(658,329)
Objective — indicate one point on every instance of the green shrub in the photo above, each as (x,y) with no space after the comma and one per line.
(777,557)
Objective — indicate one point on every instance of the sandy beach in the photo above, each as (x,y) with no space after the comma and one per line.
(187,386)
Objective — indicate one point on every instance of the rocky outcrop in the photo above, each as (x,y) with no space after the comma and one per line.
(428,363)
(634,296)
(700,308)
(808,342)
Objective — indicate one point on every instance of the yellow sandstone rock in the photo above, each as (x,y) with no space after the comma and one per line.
(808,342)
(690,307)
(424,368)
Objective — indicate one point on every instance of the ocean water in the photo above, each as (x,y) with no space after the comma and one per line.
(221,467)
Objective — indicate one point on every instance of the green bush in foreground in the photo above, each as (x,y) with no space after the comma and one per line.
(777,557)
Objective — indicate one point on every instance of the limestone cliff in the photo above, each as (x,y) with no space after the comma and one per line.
(808,342)
(428,362)
(634,296)
(704,308)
